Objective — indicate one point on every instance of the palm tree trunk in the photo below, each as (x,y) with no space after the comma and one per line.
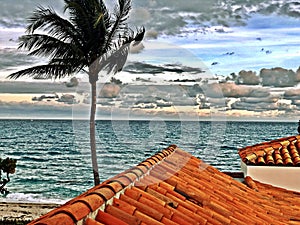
(93,132)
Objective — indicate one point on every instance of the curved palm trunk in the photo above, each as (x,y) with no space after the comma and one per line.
(93,132)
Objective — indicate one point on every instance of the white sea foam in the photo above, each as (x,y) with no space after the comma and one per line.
(31,198)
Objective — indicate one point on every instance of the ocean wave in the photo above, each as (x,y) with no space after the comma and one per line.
(31,198)
(35,158)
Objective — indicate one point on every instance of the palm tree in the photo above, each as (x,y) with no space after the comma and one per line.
(92,39)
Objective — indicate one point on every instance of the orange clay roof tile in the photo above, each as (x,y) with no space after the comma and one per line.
(186,204)
(157,195)
(174,188)
(134,191)
(93,201)
(109,218)
(77,210)
(166,212)
(104,192)
(124,206)
(118,214)
(123,180)
(157,188)
(180,218)
(114,186)
(167,221)
(146,218)
(191,214)
(280,152)
(142,207)
(90,221)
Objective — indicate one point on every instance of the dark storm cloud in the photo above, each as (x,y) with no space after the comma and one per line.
(142,68)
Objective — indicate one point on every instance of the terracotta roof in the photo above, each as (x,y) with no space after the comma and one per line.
(280,152)
(173,187)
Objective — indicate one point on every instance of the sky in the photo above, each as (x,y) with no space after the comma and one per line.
(196,48)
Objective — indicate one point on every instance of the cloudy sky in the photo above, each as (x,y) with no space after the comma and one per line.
(196,48)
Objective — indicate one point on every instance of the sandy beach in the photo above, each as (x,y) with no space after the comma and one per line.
(24,211)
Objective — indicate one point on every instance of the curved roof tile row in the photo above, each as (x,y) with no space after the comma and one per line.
(280,152)
(90,201)
(176,188)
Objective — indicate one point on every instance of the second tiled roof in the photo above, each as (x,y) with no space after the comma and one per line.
(280,152)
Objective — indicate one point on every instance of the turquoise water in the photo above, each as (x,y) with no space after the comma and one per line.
(54,159)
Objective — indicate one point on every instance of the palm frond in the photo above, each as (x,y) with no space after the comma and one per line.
(75,63)
(45,45)
(49,21)
(40,43)
(115,61)
(91,36)
(121,13)
(91,18)
(139,36)
(87,14)
(79,16)
(44,72)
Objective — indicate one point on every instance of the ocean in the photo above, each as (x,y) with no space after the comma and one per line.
(54,157)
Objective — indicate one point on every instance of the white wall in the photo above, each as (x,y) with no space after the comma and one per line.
(280,176)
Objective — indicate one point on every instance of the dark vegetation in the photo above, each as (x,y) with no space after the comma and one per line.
(7,166)
(14,222)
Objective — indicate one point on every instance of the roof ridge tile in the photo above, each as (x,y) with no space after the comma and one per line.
(94,201)
(106,192)
(115,186)
(77,210)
